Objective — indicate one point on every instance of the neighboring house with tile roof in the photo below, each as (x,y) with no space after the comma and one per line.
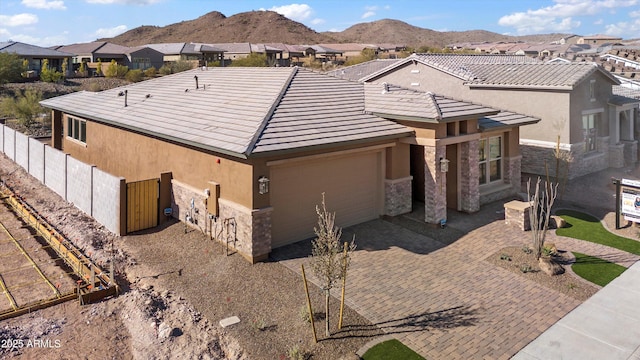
(574,101)
(260,153)
(141,57)
(358,71)
(36,55)
(599,39)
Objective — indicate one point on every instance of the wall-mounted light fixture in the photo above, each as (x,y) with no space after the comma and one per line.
(263,185)
(444,165)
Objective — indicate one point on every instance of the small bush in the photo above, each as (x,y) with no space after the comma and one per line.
(150,72)
(304,314)
(259,324)
(116,70)
(181,65)
(526,268)
(295,353)
(505,257)
(527,250)
(134,75)
(165,70)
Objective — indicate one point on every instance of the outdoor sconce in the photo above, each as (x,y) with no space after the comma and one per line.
(444,165)
(263,185)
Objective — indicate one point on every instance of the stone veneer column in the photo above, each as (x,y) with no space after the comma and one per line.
(253,229)
(397,196)
(616,155)
(630,152)
(469,176)
(512,172)
(435,185)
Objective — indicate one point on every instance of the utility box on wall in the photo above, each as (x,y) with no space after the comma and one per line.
(212,199)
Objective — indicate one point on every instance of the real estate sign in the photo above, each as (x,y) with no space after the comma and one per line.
(630,201)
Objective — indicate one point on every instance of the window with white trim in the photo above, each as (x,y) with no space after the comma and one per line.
(490,160)
(590,131)
(77,129)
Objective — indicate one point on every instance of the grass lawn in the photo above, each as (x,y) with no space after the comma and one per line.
(391,350)
(596,270)
(585,227)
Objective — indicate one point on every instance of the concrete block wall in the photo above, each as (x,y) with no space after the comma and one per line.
(79,185)
(10,143)
(106,199)
(93,191)
(55,171)
(22,150)
(36,159)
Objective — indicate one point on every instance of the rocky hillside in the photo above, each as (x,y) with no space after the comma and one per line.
(271,27)
(214,27)
(398,32)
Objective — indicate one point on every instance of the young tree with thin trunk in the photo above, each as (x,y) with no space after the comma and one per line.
(328,262)
(540,212)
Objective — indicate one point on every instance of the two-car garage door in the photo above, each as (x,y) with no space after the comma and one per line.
(352,185)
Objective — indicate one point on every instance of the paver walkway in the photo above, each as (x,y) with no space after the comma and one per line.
(440,297)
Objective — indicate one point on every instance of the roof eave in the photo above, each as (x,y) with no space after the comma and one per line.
(522,87)
(330,145)
(508,126)
(147,132)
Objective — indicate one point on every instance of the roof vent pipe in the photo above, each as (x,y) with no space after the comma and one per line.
(385,88)
(125,97)
(196,77)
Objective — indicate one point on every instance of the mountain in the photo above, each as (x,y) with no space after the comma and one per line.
(398,32)
(271,27)
(214,27)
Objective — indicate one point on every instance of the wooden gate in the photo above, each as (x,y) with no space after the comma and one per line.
(142,204)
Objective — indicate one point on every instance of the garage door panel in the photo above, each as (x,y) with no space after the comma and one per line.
(352,187)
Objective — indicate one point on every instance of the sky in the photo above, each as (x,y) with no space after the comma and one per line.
(64,22)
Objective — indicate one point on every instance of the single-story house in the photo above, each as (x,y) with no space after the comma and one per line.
(36,55)
(260,153)
(141,57)
(594,128)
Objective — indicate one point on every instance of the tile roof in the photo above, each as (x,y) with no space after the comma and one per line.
(542,75)
(455,64)
(395,102)
(111,49)
(168,48)
(358,71)
(627,91)
(317,109)
(238,48)
(260,109)
(23,49)
(82,48)
(504,119)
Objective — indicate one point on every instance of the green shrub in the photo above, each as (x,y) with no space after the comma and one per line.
(253,60)
(116,70)
(11,67)
(48,75)
(134,75)
(181,65)
(25,107)
(150,72)
(165,70)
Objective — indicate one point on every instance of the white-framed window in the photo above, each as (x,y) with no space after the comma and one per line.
(590,131)
(490,160)
(77,129)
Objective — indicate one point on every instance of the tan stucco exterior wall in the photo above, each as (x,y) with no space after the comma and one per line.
(138,157)
(550,106)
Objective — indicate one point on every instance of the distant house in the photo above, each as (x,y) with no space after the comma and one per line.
(290,54)
(322,53)
(349,50)
(36,55)
(257,156)
(575,102)
(599,40)
(141,57)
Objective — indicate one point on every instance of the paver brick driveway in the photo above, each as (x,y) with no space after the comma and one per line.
(442,298)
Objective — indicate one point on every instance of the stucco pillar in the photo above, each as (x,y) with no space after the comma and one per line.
(469,175)
(435,185)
